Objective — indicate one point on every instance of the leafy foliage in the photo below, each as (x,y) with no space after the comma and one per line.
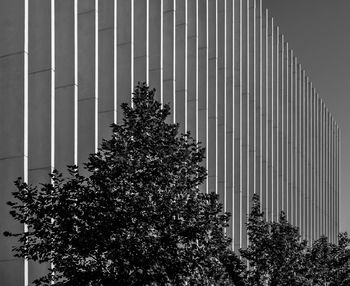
(276,255)
(329,263)
(137,219)
(275,252)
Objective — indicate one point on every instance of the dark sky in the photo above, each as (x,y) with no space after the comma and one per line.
(319,33)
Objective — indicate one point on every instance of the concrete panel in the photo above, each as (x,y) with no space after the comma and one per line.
(155,47)
(87,129)
(169,36)
(86,6)
(141,35)
(105,119)
(65,21)
(40,119)
(107,16)
(11,272)
(39,35)
(12,86)
(41,96)
(124,71)
(181,65)
(87,79)
(13,130)
(107,66)
(87,72)
(65,133)
(37,270)
(12,24)
(203,80)
(192,68)
(107,77)
(66,81)
(11,169)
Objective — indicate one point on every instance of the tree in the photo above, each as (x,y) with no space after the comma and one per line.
(256,253)
(275,253)
(328,262)
(137,219)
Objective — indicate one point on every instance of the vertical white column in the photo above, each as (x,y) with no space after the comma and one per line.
(237,214)
(318,164)
(41,100)
(338,177)
(107,76)
(66,83)
(307,159)
(286,127)
(203,80)
(192,68)
(327,173)
(87,78)
(282,139)
(323,171)
(125,53)
(169,36)
(258,98)
(264,111)
(275,124)
(244,117)
(303,154)
(321,168)
(293,139)
(332,182)
(290,137)
(181,65)
(141,41)
(299,146)
(212,95)
(221,101)
(269,98)
(155,46)
(313,176)
(14,127)
(280,122)
(252,114)
(229,115)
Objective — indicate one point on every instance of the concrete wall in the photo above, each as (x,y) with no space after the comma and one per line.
(224,67)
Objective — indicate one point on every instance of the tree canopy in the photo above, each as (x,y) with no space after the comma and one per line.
(137,218)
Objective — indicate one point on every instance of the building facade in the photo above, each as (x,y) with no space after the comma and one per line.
(224,67)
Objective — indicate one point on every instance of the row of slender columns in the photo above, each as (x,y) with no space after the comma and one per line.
(286,141)
(224,68)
